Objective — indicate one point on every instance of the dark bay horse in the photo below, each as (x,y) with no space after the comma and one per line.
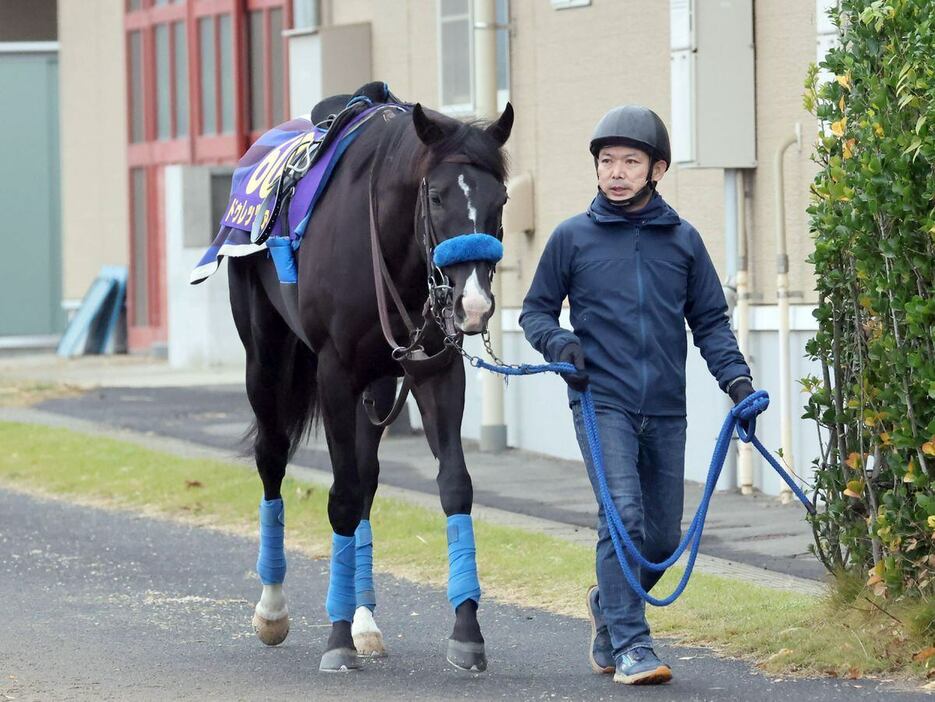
(433,179)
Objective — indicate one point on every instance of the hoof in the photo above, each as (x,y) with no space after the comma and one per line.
(368,639)
(272,633)
(339,660)
(465,655)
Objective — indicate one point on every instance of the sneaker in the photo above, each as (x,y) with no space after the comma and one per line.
(600,653)
(640,666)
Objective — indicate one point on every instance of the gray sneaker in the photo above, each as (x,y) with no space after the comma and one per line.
(641,666)
(600,653)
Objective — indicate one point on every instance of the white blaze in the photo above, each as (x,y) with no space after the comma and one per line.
(471,212)
(475,303)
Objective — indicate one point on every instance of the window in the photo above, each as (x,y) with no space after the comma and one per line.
(136,88)
(208,72)
(266,68)
(456,55)
(181,78)
(163,84)
(306,14)
(139,243)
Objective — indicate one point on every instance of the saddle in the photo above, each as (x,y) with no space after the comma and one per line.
(330,117)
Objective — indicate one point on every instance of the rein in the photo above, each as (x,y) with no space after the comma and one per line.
(437,310)
(741,418)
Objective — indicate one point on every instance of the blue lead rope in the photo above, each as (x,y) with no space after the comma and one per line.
(741,417)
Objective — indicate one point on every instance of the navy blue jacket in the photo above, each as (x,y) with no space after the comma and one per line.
(632,280)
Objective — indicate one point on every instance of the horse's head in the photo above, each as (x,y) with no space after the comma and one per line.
(464,194)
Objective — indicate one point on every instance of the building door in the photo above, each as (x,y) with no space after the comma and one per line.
(30,229)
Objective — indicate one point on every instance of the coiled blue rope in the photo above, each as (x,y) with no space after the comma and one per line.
(742,417)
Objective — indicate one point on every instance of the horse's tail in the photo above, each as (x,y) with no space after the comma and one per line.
(297,398)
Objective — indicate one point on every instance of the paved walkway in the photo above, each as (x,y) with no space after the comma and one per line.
(755,538)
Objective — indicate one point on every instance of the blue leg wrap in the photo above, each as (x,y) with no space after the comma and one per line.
(341,601)
(363,569)
(462,566)
(271,562)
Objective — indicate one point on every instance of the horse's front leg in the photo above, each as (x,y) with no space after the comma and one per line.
(367,635)
(441,401)
(345,503)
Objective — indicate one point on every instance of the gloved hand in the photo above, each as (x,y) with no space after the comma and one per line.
(740,391)
(572,353)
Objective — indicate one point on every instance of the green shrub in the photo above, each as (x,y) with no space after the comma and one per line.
(873,218)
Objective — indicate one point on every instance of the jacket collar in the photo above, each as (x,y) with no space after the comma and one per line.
(656,213)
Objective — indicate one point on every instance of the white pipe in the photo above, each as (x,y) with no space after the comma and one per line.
(782,294)
(493,427)
(745,450)
(729,475)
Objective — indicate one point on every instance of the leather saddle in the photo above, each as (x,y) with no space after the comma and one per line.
(329,116)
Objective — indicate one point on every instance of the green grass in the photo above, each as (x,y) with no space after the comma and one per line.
(783,632)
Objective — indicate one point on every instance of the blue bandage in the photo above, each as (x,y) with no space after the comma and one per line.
(462,566)
(467,247)
(363,569)
(280,248)
(341,601)
(271,562)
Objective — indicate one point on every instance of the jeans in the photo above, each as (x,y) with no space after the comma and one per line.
(644,462)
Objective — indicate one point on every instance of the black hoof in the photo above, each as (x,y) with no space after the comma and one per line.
(466,655)
(341,655)
(339,660)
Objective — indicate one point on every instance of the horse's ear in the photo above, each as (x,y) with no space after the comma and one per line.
(428,130)
(500,130)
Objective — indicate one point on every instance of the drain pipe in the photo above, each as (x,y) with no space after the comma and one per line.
(782,295)
(729,475)
(493,426)
(745,450)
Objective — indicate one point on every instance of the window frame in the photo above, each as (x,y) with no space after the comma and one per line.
(469,109)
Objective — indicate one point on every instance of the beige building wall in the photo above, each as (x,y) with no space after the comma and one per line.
(93,132)
(785,45)
(569,66)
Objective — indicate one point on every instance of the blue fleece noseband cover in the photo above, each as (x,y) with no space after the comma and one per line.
(363,569)
(342,601)
(462,565)
(271,562)
(467,247)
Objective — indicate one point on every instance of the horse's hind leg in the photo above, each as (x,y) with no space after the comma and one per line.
(345,504)
(441,401)
(368,639)
(280,383)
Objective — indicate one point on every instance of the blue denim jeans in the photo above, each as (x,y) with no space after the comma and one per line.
(644,461)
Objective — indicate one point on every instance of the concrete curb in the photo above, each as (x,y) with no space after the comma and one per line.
(709,565)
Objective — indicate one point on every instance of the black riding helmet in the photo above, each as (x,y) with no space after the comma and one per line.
(634,125)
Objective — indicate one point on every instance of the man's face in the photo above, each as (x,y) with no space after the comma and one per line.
(622,171)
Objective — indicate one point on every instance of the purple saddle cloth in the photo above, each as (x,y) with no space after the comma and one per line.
(257,174)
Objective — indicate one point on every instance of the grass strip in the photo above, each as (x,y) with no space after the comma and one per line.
(780,631)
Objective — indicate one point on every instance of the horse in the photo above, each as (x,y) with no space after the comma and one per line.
(411,186)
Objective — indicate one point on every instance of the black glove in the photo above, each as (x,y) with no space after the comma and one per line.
(740,391)
(572,353)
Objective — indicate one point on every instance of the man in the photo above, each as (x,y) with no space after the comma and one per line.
(633,273)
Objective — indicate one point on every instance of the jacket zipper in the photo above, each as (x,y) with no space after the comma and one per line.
(639,290)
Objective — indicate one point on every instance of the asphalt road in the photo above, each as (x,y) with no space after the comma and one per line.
(108,605)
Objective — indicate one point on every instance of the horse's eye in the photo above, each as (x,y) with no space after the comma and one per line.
(434,197)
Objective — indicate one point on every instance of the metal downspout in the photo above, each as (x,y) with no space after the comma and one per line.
(782,295)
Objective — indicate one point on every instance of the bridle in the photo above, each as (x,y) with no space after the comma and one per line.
(438,310)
